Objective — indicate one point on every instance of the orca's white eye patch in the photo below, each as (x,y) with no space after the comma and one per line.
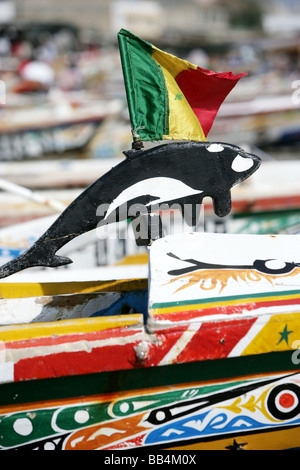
(240,164)
(215,148)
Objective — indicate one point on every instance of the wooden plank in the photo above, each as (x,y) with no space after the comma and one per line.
(56,173)
(68,347)
(70,306)
(16,290)
(66,327)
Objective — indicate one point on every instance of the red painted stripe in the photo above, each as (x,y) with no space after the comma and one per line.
(106,358)
(224,310)
(283,202)
(215,340)
(165,340)
(71,338)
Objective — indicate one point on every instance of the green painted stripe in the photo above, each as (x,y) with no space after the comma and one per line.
(224,299)
(147,378)
(146,90)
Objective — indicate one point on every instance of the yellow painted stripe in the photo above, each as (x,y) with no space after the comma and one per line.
(183,123)
(223,303)
(29,289)
(269,337)
(67,327)
(139,258)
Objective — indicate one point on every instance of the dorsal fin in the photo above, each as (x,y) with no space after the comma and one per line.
(132,153)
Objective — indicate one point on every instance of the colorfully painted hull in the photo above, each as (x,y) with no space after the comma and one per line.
(201,368)
(199,405)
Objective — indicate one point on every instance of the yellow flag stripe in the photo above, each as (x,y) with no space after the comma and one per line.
(183,123)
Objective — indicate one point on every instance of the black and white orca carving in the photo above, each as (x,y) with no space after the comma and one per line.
(174,173)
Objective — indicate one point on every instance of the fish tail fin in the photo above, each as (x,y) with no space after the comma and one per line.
(59,261)
(31,258)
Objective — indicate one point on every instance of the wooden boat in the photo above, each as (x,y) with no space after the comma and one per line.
(51,129)
(266,203)
(207,359)
(203,353)
(262,121)
(56,174)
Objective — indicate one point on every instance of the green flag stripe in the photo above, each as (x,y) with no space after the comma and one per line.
(146,90)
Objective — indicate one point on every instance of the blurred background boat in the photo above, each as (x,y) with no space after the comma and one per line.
(261,121)
(52,128)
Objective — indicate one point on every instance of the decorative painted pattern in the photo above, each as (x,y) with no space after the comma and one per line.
(236,302)
(72,347)
(261,317)
(182,329)
(208,267)
(223,414)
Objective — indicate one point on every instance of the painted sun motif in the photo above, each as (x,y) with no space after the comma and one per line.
(209,279)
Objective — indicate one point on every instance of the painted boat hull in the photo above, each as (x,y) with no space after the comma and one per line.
(119,410)
(262,121)
(31,132)
(197,369)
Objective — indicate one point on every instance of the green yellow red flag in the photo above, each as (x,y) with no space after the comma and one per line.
(169,98)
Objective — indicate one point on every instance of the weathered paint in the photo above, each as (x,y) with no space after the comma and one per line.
(261,121)
(49,302)
(70,306)
(71,347)
(92,345)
